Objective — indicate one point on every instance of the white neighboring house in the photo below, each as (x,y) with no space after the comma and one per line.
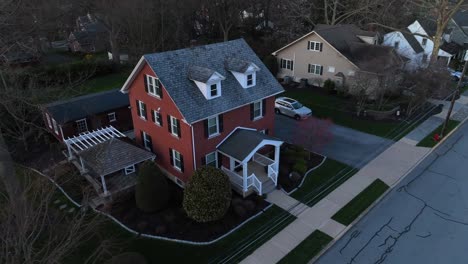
(416,48)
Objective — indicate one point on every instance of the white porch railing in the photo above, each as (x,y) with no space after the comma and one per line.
(238,180)
(263,160)
(256,183)
(273,172)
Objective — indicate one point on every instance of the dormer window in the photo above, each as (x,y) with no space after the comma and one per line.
(208,81)
(249,79)
(244,71)
(213,90)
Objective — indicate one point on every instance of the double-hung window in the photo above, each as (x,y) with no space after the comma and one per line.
(314,46)
(257,110)
(147,142)
(111,117)
(157,118)
(177,160)
(141,109)
(213,126)
(315,69)
(287,64)
(249,79)
(211,159)
(174,126)
(213,90)
(153,86)
(81,125)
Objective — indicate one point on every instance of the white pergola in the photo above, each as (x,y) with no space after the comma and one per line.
(90,139)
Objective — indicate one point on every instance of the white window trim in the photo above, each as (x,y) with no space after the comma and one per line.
(49,123)
(112,117)
(247,79)
(153,83)
(145,141)
(215,159)
(217,127)
(172,125)
(351,73)
(315,67)
(174,160)
(85,124)
(315,44)
(331,68)
(55,126)
(155,113)
(140,110)
(130,169)
(261,110)
(286,62)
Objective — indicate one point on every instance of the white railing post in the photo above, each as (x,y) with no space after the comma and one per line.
(244,176)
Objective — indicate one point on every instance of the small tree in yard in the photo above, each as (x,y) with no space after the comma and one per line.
(151,191)
(207,196)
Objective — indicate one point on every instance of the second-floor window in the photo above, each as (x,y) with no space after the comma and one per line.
(213,126)
(257,110)
(287,64)
(315,69)
(396,45)
(314,46)
(177,160)
(174,125)
(141,109)
(157,118)
(153,86)
(424,41)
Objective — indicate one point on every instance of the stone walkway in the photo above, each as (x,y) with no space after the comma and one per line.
(390,167)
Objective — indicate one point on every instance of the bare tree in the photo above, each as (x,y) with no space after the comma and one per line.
(226,13)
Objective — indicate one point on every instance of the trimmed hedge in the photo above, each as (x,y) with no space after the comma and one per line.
(151,191)
(207,195)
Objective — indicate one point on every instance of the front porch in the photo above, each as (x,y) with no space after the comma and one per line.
(248,170)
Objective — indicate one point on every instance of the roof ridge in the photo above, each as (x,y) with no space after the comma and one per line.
(80,97)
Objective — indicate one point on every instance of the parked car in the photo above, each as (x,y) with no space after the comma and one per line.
(290,107)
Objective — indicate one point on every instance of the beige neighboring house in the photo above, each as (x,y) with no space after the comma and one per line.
(337,53)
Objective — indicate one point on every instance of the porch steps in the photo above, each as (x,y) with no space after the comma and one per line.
(268,186)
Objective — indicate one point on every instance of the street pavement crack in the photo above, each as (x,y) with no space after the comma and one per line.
(353,235)
(425,236)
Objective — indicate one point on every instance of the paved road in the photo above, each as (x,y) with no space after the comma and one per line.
(423,220)
(344,144)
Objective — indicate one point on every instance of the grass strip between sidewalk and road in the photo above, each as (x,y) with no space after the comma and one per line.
(307,249)
(360,203)
(429,141)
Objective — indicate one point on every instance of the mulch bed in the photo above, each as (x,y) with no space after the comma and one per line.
(172,222)
(286,167)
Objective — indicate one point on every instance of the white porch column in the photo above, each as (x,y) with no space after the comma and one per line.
(231,164)
(244,174)
(277,157)
(104,187)
(82,165)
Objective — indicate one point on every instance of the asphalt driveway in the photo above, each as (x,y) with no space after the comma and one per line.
(349,146)
(424,219)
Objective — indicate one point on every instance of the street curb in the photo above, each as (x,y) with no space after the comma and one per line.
(384,195)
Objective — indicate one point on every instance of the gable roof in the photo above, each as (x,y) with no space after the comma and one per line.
(172,69)
(429,26)
(79,107)
(413,42)
(200,74)
(237,65)
(113,155)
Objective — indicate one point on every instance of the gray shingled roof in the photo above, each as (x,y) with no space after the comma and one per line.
(242,142)
(172,68)
(79,107)
(429,25)
(199,73)
(237,65)
(113,155)
(413,42)
(461,18)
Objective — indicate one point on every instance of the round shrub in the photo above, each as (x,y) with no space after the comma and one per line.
(207,195)
(329,85)
(300,166)
(151,191)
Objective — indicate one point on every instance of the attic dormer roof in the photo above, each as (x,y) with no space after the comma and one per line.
(238,65)
(200,74)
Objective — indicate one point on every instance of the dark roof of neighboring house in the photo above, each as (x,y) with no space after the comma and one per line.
(461,18)
(368,57)
(113,155)
(451,47)
(242,142)
(429,26)
(200,74)
(64,111)
(172,68)
(413,42)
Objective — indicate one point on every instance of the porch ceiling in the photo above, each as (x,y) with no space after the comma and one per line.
(243,143)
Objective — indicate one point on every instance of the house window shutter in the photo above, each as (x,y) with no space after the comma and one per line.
(169,125)
(221,123)
(308,45)
(292,65)
(145,115)
(263,107)
(219,158)
(267,131)
(146,83)
(171,157)
(181,163)
(321,47)
(153,118)
(160,89)
(150,140)
(321,70)
(160,118)
(137,107)
(252,111)
(178,127)
(205,125)
(142,139)
(203,161)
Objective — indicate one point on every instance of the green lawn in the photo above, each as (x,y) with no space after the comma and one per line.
(307,249)
(323,180)
(361,202)
(105,82)
(337,109)
(429,142)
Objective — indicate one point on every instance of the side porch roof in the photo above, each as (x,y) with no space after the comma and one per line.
(243,143)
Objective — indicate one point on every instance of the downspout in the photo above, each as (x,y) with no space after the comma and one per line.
(193,150)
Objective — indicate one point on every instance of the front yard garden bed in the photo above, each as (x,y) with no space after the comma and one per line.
(295,161)
(307,249)
(360,203)
(172,222)
(429,140)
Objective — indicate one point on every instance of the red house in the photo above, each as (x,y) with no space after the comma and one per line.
(210,105)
